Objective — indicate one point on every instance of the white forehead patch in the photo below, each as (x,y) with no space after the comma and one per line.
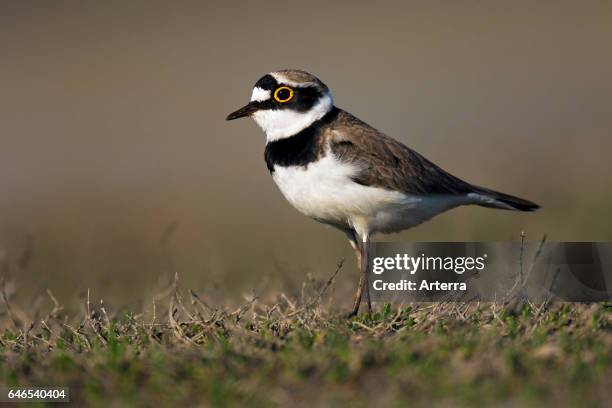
(260,95)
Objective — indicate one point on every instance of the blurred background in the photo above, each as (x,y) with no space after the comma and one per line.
(117,168)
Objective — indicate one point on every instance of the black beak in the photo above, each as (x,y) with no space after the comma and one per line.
(246,110)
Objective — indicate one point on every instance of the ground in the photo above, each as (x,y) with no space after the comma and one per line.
(302,352)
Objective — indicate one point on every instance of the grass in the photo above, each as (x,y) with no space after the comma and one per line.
(302,352)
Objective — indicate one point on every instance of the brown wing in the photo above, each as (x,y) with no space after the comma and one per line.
(388,163)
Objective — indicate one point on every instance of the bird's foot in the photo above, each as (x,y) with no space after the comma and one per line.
(351,314)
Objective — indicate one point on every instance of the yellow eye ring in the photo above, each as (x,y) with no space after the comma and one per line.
(280,95)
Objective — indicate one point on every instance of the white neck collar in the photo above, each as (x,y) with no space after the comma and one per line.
(283,123)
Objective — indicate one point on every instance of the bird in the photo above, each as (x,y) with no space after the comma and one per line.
(340,171)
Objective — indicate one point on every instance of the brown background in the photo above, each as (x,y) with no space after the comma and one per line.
(117,167)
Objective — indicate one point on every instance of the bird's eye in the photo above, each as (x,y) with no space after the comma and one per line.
(283,94)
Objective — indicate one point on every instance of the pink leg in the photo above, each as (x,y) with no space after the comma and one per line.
(360,286)
(361,252)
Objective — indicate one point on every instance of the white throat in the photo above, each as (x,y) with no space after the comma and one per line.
(283,123)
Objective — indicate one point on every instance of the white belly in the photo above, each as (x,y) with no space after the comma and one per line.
(325,191)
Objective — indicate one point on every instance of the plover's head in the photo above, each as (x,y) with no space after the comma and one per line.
(285,102)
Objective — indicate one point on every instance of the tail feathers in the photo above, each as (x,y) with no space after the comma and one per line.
(494,199)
